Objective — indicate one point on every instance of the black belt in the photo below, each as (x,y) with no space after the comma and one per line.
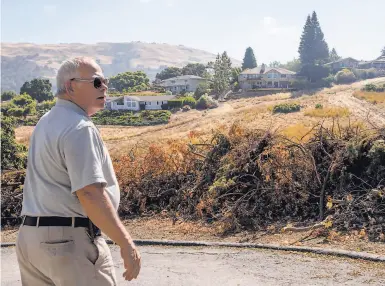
(56,221)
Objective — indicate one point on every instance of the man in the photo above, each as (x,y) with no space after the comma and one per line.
(71,192)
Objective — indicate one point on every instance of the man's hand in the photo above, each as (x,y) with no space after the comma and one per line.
(132,262)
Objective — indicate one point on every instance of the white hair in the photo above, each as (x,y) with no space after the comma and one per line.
(68,70)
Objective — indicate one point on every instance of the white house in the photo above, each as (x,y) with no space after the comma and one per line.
(137,103)
(187,83)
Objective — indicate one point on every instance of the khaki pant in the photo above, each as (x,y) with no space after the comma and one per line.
(65,256)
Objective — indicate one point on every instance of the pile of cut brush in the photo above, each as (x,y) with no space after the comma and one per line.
(250,179)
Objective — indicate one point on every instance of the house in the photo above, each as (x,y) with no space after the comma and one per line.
(184,83)
(265,77)
(342,64)
(136,103)
(378,63)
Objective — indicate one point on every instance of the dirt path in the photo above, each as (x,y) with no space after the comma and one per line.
(360,108)
(226,266)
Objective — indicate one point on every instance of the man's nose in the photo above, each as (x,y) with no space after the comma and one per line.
(104,87)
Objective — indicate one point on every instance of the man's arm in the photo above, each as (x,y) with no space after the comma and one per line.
(101,212)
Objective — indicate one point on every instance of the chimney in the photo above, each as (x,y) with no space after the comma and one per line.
(263,68)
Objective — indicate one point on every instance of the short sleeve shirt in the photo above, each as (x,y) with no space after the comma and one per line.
(66,153)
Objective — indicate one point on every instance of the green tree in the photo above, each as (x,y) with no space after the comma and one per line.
(321,48)
(22,105)
(7,95)
(222,73)
(201,90)
(234,74)
(249,61)
(275,64)
(169,73)
(315,73)
(307,43)
(130,81)
(194,69)
(334,56)
(313,48)
(383,51)
(13,155)
(293,65)
(38,88)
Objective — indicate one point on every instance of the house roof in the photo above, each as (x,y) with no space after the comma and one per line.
(153,98)
(183,77)
(257,70)
(143,98)
(380,60)
(341,60)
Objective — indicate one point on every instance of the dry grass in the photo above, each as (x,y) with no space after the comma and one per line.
(328,112)
(298,132)
(372,97)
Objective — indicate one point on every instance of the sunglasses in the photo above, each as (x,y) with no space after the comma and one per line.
(97,81)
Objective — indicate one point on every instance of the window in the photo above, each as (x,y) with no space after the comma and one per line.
(273,75)
(133,104)
(283,75)
(149,103)
(128,103)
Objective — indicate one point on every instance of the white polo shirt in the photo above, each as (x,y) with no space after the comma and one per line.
(66,153)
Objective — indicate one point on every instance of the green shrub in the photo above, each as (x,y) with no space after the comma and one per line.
(15,111)
(46,105)
(13,155)
(189,100)
(302,84)
(345,76)
(286,108)
(175,103)
(7,95)
(206,102)
(369,87)
(318,106)
(372,73)
(128,118)
(360,73)
(168,92)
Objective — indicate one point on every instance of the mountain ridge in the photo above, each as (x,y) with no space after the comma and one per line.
(24,61)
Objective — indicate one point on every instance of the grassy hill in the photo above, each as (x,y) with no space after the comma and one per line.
(25,61)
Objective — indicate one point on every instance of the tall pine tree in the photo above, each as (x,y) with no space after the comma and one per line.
(307,43)
(313,48)
(321,48)
(249,61)
(383,52)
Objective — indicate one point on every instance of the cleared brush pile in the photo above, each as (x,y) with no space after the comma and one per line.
(250,179)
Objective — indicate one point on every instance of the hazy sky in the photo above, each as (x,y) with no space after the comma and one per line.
(355,28)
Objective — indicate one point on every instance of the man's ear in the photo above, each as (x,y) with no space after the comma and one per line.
(69,87)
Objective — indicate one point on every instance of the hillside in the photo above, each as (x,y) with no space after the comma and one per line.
(251,112)
(25,61)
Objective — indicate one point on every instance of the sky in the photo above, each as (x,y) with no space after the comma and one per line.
(356,28)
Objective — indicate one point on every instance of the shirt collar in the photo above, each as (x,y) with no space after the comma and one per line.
(70,105)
